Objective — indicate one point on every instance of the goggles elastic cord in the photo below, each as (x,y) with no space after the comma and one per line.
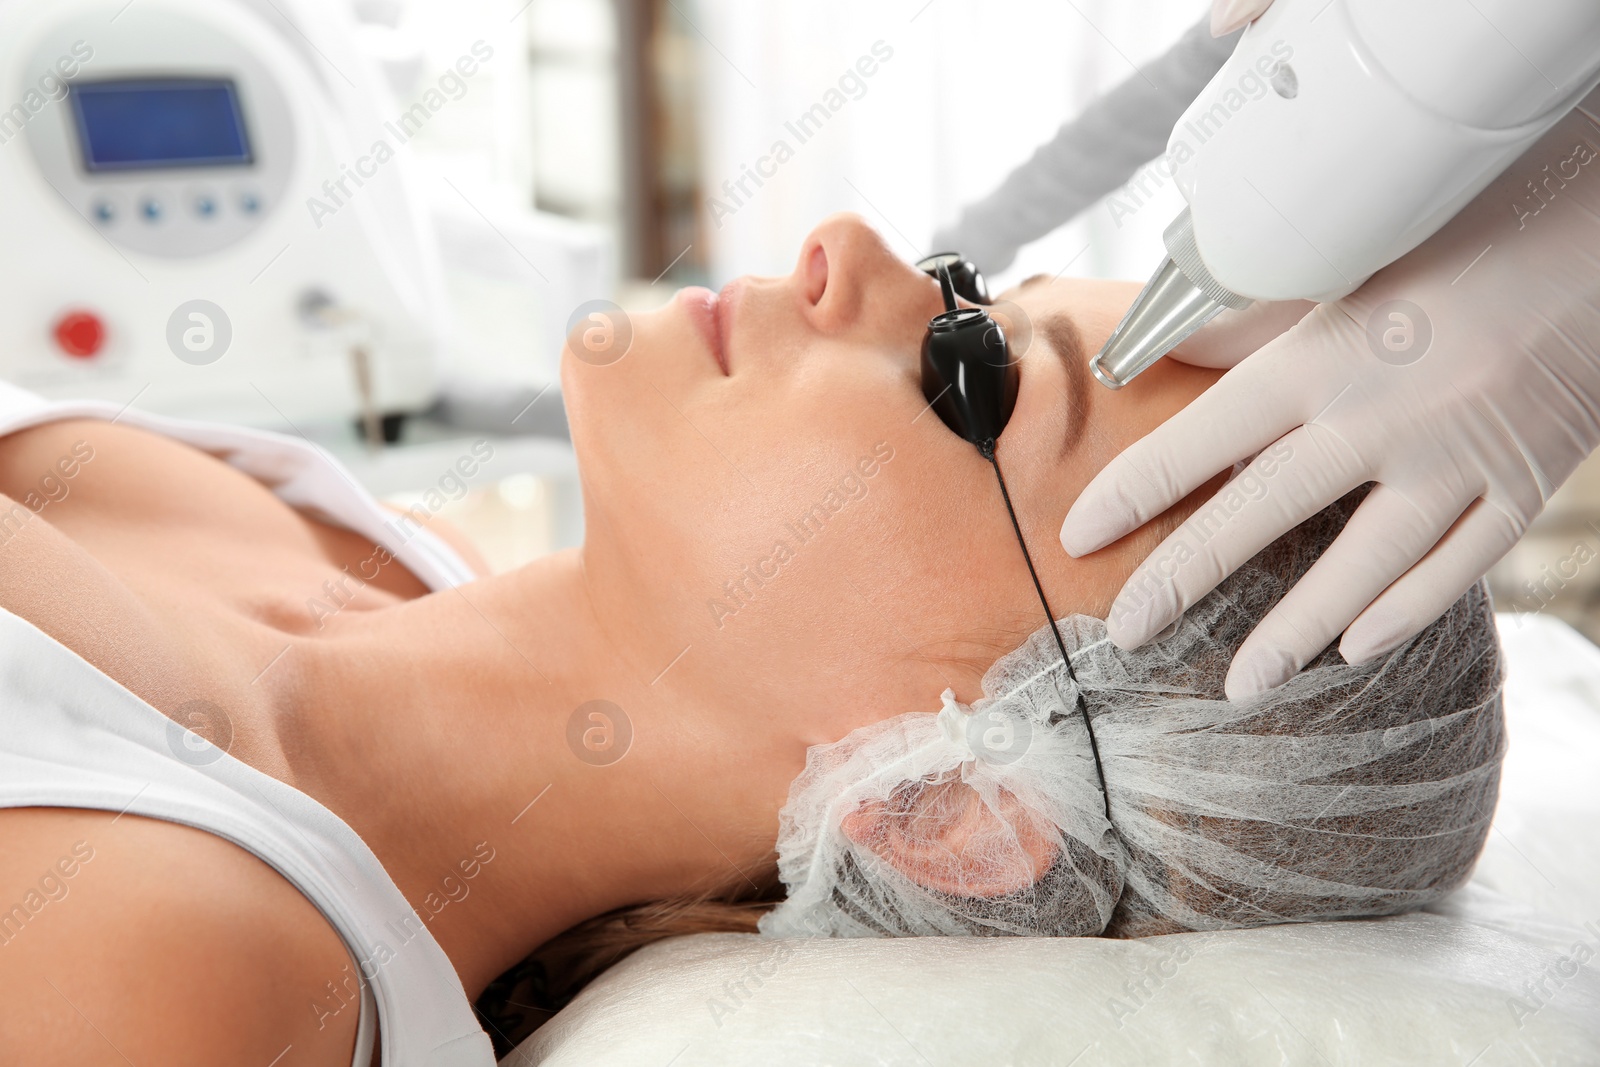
(987,449)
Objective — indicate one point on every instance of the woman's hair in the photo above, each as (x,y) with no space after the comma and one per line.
(1456,654)
(525,997)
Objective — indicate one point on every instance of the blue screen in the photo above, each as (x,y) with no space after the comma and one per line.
(149,123)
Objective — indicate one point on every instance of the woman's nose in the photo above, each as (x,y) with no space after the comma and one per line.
(850,281)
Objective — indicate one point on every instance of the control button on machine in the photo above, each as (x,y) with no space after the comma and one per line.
(80,334)
(205,205)
(151,209)
(104,212)
(249,202)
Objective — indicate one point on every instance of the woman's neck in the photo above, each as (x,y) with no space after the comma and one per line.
(461,737)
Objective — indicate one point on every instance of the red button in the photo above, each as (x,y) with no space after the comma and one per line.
(81,334)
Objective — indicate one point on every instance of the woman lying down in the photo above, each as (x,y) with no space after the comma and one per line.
(285,776)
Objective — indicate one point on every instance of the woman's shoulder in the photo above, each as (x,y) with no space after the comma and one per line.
(125,939)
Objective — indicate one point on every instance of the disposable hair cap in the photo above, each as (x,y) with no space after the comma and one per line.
(1350,790)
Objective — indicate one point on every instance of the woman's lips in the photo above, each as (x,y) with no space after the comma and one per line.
(708,312)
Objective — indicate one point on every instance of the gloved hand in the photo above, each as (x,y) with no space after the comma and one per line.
(1230,15)
(1464,379)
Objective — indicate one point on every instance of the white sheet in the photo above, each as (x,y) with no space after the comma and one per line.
(1505,972)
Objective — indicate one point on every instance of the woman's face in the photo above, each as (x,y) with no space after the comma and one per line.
(774,511)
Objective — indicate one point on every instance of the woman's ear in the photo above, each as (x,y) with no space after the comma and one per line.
(945,838)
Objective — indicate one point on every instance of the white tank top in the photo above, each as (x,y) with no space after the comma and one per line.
(70,737)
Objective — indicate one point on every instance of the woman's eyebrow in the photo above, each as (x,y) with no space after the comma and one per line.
(1061,334)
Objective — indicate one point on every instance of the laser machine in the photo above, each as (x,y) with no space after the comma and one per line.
(156,245)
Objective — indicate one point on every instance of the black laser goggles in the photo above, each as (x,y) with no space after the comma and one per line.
(964,275)
(968,375)
(970,381)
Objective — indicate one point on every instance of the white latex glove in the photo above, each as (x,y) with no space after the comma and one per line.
(1229,15)
(1467,435)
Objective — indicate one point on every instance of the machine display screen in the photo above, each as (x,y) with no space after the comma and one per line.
(151,123)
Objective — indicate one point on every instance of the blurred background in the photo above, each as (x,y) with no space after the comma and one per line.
(599,150)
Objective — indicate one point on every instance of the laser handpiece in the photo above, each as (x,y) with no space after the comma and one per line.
(1340,135)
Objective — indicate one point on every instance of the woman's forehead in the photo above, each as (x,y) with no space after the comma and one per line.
(1094,305)
(1051,288)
